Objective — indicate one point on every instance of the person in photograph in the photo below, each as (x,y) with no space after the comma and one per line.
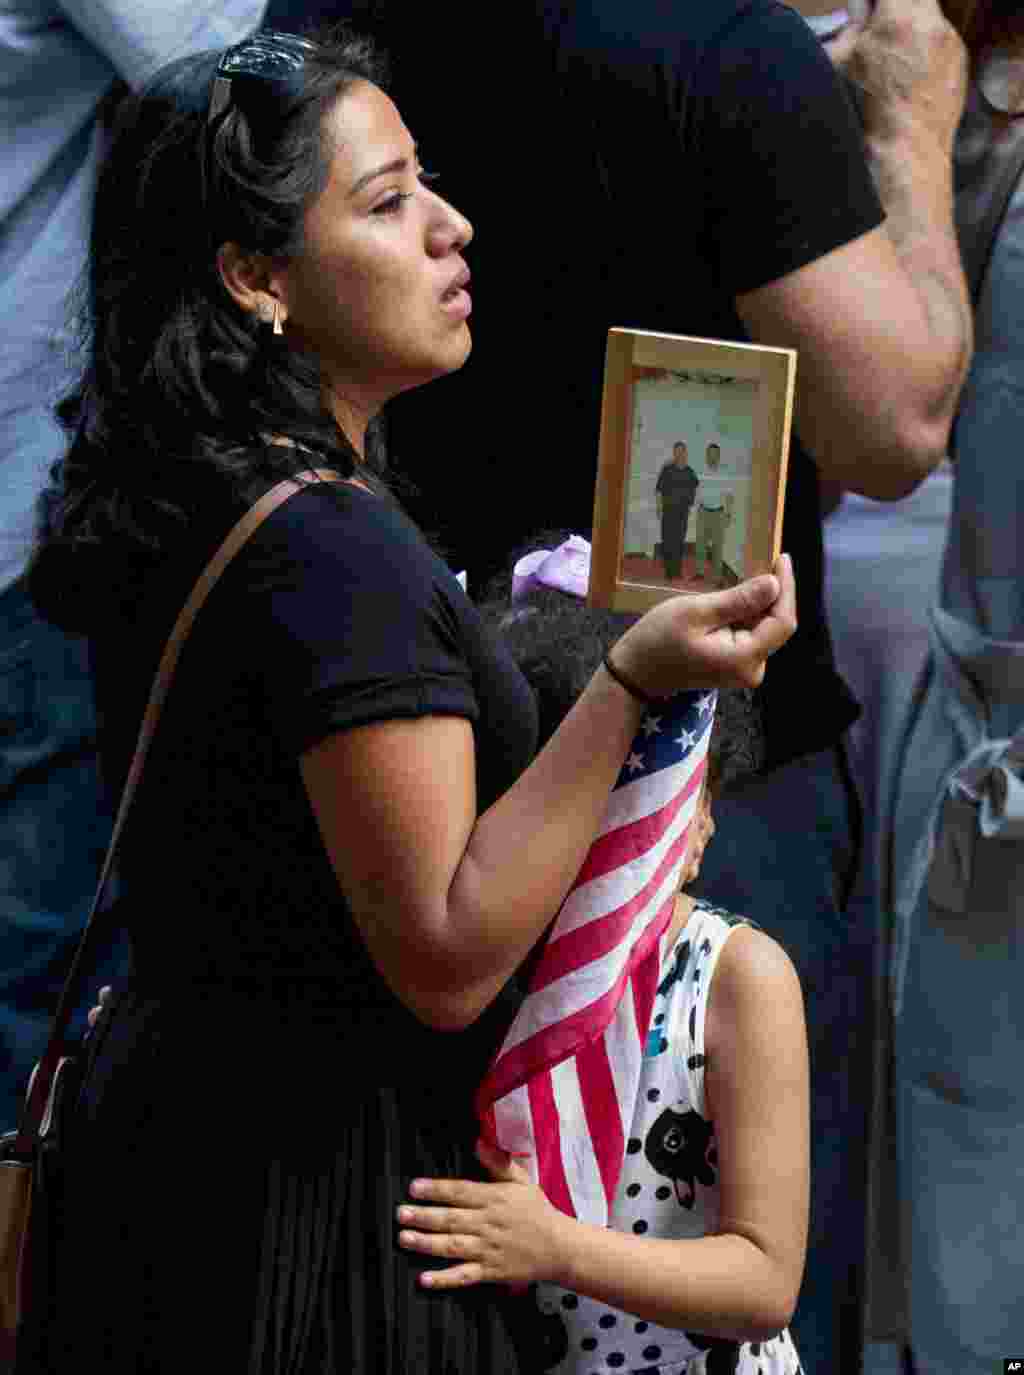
(714,516)
(675,490)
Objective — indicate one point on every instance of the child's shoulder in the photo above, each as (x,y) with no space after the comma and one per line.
(702,908)
(745,961)
(699,944)
(733,950)
(725,986)
(752,970)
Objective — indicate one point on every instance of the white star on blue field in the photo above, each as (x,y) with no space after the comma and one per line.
(663,739)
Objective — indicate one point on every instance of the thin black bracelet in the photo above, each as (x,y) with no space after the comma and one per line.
(626,683)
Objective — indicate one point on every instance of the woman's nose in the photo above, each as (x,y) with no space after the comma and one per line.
(450,232)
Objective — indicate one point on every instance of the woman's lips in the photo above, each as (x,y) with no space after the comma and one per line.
(457,301)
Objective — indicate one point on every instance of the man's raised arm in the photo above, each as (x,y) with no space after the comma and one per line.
(883,323)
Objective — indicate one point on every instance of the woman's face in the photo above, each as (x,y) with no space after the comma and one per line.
(379,289)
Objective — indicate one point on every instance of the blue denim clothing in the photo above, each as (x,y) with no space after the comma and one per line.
(782,854)
(956,886)
(961,810)
(57,62)
(55,829)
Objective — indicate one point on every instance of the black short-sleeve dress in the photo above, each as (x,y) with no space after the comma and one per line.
(257,1099)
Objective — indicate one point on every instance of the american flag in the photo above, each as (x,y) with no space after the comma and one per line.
(562,1089)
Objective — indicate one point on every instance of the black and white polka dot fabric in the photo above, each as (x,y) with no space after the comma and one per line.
(668,1188)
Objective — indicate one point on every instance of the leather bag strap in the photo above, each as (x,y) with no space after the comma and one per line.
(42,1078)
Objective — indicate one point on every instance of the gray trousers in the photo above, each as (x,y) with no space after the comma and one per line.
(710,539)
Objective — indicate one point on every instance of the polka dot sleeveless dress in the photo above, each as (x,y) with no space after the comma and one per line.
(668,1188)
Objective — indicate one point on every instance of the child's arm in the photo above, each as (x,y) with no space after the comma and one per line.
(740,1284)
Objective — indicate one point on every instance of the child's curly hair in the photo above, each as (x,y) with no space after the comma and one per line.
(558,642)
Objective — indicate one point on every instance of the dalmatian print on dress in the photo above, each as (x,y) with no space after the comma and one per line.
(677,1147)
(668,1188)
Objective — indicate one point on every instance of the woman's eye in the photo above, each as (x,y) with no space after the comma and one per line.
(393,204)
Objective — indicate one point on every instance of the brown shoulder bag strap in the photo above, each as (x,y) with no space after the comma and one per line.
(42,1078)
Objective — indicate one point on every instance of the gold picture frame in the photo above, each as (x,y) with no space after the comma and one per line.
(692,465)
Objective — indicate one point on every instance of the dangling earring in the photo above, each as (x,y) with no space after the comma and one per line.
(266,312)
(277,318)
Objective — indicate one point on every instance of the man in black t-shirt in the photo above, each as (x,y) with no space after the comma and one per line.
(675,489)
(699,169)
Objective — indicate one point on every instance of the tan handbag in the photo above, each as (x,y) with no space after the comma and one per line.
(54,1078)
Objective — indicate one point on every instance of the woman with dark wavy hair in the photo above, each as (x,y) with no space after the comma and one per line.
(341,853)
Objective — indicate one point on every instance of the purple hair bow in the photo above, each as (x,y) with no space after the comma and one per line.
(566,568)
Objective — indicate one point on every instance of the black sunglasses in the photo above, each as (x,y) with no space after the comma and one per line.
(266,57)
(266,60)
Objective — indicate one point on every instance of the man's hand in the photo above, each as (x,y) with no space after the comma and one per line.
(908,66)
(505,1232)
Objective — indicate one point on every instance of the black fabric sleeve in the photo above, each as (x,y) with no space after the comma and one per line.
(356,618)
(786,175)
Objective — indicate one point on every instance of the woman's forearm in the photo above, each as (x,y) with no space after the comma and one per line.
(523,853)
(526,849)
(449,902)
(721,1286)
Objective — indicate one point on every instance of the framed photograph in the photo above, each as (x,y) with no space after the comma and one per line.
(692,466)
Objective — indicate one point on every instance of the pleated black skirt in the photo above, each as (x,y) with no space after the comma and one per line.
(231,1191)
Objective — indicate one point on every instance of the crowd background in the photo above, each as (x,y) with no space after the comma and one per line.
(802,842)
(933,659)
(64,69)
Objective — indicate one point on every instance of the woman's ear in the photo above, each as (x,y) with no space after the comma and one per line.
(251,281)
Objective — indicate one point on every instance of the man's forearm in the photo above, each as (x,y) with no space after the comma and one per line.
(914,176)
(908,68)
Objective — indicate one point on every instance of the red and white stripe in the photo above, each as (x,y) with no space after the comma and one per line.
(562,1089)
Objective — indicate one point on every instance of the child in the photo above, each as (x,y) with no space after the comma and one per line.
(699,1269)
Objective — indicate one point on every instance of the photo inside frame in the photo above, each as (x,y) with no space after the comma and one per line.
(689,480)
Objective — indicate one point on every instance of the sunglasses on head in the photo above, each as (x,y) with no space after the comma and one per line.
(266,57)
(261,63)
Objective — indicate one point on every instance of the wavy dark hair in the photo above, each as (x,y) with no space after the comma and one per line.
(181,387)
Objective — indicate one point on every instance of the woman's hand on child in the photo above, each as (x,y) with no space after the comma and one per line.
(713,639)
(505,1232)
